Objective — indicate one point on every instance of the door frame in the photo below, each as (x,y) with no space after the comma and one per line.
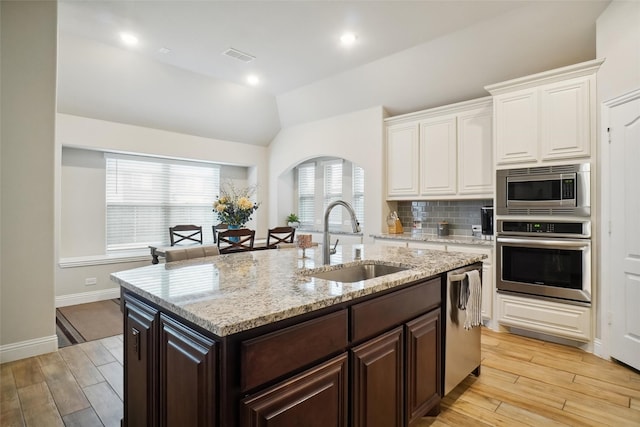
(602,347)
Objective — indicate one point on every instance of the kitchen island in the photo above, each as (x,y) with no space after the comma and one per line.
(253,339)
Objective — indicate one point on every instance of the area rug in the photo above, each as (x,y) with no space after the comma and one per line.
(91,321)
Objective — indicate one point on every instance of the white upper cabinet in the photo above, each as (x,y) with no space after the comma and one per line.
(564,118)
(516,118)
(402,159)
(547,116)
(438,163)
(444,152)
(475,152)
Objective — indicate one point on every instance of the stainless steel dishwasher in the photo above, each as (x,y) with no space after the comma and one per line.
(462,346)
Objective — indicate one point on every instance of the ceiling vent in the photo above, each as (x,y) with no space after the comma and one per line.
(240,56)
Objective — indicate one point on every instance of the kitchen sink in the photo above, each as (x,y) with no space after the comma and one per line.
(356,273)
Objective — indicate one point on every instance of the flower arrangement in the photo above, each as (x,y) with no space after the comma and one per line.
(234,206)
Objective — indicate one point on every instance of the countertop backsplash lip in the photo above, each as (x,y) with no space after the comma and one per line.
(227,294)
(429,237)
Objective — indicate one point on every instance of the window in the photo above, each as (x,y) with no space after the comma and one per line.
(333,190)
(146,196)
(306,193)
(358,192)
(324,181)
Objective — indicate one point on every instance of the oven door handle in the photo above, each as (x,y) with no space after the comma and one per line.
(558,243)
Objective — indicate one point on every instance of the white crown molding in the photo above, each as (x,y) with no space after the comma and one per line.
(551,76)
(484,102)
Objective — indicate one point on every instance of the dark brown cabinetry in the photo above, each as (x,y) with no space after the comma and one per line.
(373,361)
(140,363)
(169,370)
(187,376)
(314,398)
(378,380)
(423,365)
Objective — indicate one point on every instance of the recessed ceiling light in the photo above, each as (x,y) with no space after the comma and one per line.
(253,80)
(347,39)
(129,39)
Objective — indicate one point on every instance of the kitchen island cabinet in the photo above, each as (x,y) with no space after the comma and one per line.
(251,339)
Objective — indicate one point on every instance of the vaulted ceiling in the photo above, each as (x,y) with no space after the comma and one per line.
(408,55)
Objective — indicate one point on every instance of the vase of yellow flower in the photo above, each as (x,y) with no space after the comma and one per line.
(234,206)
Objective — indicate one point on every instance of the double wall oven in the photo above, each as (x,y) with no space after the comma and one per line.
(543,233)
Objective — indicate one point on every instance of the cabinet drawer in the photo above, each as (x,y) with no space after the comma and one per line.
(372,317)
(270,356)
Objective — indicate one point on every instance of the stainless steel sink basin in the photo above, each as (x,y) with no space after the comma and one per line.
(356,273)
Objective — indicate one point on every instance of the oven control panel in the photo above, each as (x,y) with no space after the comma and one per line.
(548,228)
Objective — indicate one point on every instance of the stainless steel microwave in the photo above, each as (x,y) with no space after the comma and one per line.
(544,190)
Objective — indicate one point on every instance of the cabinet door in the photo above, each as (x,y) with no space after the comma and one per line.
(378,381)
(402,160)
(475,153)
(438,157)
(488,284)
(140,368)
(548,317)
(564,123)
(424,366)
(488,279)
(315,398)
(516,119)
(187,376)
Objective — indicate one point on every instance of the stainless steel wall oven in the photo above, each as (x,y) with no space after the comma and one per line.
(550,259)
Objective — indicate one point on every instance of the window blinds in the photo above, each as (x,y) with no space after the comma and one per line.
(333,190)
(358,193)
(146,196)
(306,193)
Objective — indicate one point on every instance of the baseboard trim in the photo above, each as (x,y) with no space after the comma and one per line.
(85,297)
(598,349)
(29,348)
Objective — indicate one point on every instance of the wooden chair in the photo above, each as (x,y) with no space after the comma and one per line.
(236,240)
(185,233)
(279,235)
(217,228)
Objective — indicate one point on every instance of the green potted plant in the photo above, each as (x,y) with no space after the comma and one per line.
(293,220)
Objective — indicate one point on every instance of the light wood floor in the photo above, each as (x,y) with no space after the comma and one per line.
(523,382)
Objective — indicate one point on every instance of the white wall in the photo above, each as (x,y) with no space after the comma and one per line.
(28,103)
(356,136)
(618,40)
(81,177)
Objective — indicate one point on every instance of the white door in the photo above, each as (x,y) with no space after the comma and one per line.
(624,167)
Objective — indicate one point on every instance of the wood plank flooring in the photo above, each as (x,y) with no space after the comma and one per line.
(523,382)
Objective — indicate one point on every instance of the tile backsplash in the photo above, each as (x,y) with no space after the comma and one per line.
(460,214)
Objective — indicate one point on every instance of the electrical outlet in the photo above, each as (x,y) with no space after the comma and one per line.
(90,281)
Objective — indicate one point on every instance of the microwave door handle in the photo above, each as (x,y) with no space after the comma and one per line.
(560,243)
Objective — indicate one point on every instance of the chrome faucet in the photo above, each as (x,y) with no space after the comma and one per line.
(326,251)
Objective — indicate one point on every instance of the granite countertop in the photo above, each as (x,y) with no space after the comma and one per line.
(427,237)
(231,293)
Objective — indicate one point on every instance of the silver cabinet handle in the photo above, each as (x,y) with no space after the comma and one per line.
(563,243)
